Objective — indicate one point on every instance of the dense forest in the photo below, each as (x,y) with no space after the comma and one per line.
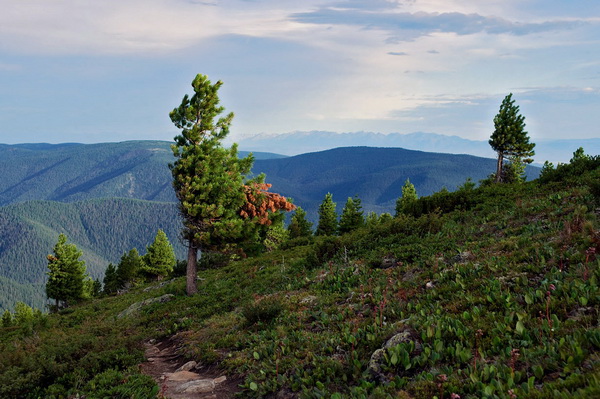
(103,228)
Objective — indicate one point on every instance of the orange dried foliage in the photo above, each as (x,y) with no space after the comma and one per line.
(260,202)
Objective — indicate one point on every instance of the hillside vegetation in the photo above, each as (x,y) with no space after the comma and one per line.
(488,292)
(103,229)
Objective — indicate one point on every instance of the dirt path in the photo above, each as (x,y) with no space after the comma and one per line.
(191,381)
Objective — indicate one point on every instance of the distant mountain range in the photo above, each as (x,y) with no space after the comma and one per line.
(109,198)
(301,142)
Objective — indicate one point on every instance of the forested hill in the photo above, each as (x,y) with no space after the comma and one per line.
(102,228)
(73,172)
(138,169)
(374,174)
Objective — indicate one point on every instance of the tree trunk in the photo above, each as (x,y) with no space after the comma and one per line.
(499,168)
(191,272)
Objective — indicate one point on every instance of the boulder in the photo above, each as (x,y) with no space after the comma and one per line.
(134,308)
(405,334)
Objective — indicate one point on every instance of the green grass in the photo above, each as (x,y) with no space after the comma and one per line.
(511,311)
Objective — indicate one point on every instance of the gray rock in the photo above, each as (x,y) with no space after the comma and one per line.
(134,308)
(197,386)
(405,334)
(188,366)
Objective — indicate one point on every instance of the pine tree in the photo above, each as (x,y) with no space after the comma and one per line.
(128,268)
(509,139)
(328,222)
(276,235)
(300,226)
(111,280)
(23,313)
(220,210)
(352,216)
(207,178)
(65,278)
(7,318)
(409,195)
(160,257)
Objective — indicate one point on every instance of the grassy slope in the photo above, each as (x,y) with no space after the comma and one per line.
(516,314)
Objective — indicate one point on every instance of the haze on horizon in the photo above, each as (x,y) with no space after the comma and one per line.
(73,71)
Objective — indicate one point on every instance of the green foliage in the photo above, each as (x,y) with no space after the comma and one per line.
(299,226)
(23,314)
(352,216)
(128,269)
(7,318)
(510,140)
(159,260)
(277,234)
(409,196)
(67,273)
(208,179)
(328,222)
(103,229)
(111,280)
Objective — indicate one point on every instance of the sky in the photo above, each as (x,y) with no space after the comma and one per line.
(99,71)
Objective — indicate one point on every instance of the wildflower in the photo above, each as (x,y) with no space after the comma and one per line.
(454,396)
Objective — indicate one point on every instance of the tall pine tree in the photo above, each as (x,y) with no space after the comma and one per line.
(328,222)
(208,179)
(65,279)
(509,139)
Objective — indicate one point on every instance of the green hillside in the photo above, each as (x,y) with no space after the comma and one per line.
(102,228)
(376,175)
(494,294)
(138,169)
(74,172)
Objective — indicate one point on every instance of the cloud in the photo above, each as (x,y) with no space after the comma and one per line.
(397,53)
(409,26)
(147,27)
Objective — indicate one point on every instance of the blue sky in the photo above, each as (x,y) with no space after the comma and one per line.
(95,71)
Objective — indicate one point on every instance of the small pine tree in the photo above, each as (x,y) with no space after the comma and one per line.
(300,226)
(509,139)
(66,276)
(352,216)
(409,195)
(160,257)
(128,268)
(7,318)
(23,314)
(276,235)
(111,279)
(328,222)
(372,219)
(385,217)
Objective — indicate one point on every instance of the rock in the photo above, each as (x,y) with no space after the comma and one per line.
(188,366)
(405,334)
(182,376)
(388,261)
(309,300)
(197,386)
(159,285)
(461,258)
(139,305)
(220,380)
